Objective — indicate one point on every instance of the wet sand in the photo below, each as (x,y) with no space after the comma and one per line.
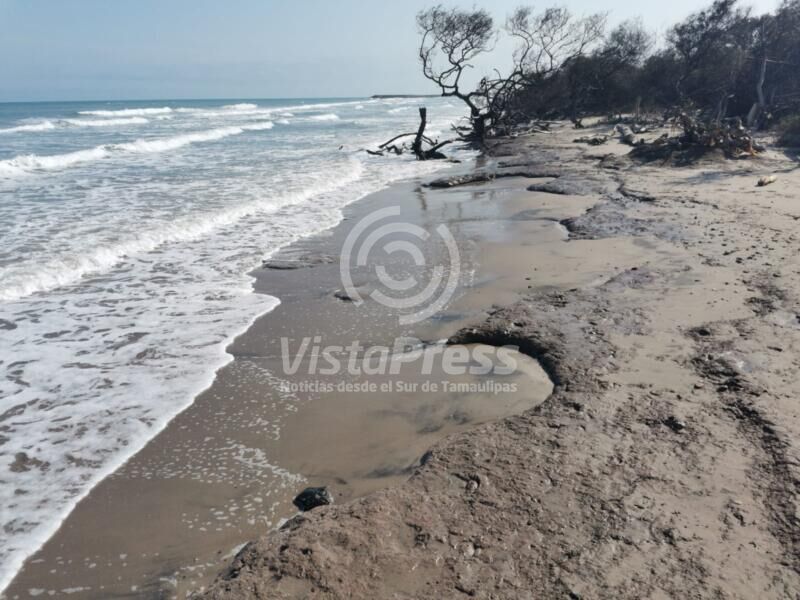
(227,468)
(662,465)
(666,463)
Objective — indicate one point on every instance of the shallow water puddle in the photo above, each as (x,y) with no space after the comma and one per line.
(372,427)
(249,446)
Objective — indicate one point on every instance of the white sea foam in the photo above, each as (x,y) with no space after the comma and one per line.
(18,281)
(213,304)
(41,126)
(143,146)
(325,117)
(128,112)
(241,106)
(106,122)
(254,110)
(50,125)
(122,286)
(32,162)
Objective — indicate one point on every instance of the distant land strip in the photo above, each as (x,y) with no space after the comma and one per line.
(387,96)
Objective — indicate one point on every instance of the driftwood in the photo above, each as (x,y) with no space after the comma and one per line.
(533,127)
(402,135)
(592,140)
(698,137)
(417,148)
(628,136)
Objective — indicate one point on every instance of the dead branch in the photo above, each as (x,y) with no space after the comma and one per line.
(402,135)
(417,146)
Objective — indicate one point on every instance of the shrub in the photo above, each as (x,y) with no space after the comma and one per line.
(789,131)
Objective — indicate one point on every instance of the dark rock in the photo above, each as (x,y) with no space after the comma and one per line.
(313,497)
(7,325)
(675,424)
(592,140)
(343,296)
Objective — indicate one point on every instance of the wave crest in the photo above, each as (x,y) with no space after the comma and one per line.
(32,162)
(60,271)
(106,122)
(43,126)
(241,106)
(127,112)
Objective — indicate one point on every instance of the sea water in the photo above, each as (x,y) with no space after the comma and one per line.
(127,231)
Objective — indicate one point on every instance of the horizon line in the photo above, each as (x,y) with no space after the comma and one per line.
(252,98)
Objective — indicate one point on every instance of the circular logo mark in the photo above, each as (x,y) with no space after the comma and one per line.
(416,298)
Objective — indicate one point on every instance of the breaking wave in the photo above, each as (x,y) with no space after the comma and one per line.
(106,122)
(61,271)
(127,112)
(241,106)
(32,162)
(43,126)
(325,117)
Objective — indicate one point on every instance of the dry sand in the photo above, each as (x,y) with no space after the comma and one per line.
(664,464)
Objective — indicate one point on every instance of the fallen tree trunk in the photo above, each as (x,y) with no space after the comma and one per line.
(627,135)
(417,148)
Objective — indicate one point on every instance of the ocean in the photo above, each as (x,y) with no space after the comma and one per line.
(127,232)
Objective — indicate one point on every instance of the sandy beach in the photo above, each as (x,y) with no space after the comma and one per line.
(665,462)
(400,301)
(647,450)
(227,469)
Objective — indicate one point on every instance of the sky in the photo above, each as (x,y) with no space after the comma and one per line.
(172,49)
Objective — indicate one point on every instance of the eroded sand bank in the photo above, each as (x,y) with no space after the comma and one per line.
(665,463)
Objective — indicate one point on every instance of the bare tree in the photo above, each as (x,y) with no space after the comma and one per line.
(546,42)
(549,40)
(451,40)
(709,47)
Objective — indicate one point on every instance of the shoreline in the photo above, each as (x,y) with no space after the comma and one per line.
(156,320)
(664,464)
(225,358)
(66,533)
(568,276)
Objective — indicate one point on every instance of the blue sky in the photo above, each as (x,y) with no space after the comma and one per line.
(156,49)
